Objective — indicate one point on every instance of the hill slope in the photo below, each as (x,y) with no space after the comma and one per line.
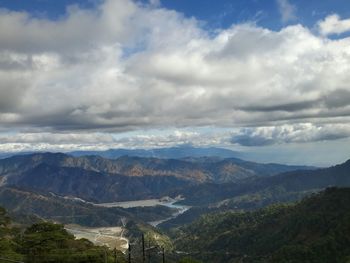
(296,181)
(47,242)
(20,202)
(254,193)
(316,229)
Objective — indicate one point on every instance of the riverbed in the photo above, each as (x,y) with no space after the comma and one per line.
(111,237)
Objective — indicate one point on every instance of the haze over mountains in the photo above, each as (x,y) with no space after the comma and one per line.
(167,153)
(176,152)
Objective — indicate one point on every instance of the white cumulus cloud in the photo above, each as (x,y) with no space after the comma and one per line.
(333,24)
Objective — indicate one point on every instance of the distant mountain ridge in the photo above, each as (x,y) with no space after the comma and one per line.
(126,178)
(163,153)
(176,152)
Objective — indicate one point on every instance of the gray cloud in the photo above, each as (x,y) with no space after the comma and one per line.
(298,133)
(126,66)
(12,92)
(47,141)
(338,98)
(80,29)
(289,107)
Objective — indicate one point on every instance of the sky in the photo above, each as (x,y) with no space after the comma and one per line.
(266,77)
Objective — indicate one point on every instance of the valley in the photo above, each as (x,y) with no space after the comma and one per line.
(165,201)
(113,203)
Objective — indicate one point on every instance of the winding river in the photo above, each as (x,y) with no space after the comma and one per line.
(168,202)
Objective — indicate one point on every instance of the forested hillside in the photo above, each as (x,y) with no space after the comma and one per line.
(47,242)
(317,229)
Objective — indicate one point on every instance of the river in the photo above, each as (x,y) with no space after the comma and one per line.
(166,201)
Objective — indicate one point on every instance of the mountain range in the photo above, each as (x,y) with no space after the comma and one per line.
(176,152)
(98,179)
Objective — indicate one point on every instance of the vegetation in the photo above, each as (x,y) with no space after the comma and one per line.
(316,229)
(240,203)
(47,242)
(188,260)
(8,247)
(152,235)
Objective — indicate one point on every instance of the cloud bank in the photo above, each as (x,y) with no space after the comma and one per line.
(299,133)
(125,66)
(44,141)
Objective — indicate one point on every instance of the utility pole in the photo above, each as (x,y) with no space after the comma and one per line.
(153,249)
(129,254)
(163,254)
(115,255)
(143,249)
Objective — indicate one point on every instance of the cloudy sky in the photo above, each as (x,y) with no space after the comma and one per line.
(267,77)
